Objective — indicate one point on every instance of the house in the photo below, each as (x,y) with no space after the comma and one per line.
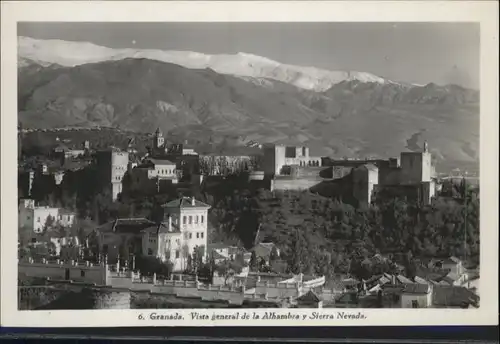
(122,235)
(416,296)
(454,265)
(63,151)
(182,232)
(37,218)
(309,300)
(221,252)
(164,242)
(454,297)
(150,174)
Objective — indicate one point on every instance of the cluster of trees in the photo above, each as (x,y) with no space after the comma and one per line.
(222,165)
(322,235)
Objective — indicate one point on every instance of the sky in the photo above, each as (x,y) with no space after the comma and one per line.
(420,53)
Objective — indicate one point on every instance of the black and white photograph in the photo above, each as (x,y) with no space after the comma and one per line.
(246,165)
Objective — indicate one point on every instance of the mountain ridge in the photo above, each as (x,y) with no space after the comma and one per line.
(67,53)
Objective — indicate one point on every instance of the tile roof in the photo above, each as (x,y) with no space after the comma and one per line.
(160,161)
(404,280)
(310,296)
(420,280)
(185,202)
(416,288)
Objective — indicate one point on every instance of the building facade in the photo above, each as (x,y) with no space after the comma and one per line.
(184,230)
(36,218)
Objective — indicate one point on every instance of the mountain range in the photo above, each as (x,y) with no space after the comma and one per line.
(243,96)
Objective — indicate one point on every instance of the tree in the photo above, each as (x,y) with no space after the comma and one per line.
(228,269)
(49,223)
(273,255)
(253,261)
(299,257)
(197,258)
(149,265)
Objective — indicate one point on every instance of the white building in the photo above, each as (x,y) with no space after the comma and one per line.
(35,217)
(416,296)
(184,228)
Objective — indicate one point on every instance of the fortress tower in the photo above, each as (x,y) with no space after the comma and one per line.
(416,167)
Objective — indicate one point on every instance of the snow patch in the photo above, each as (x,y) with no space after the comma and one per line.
(67,53)
(166,107)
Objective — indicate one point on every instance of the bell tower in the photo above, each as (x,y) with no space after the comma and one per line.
(159,140)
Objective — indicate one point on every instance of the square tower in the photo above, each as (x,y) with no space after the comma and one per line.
(273,159)
(416,167)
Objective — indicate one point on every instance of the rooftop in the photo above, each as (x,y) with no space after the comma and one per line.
(308,297)
(451,296)
(162,228)
(416,288)
(159,161)
(126,225)
(185,202)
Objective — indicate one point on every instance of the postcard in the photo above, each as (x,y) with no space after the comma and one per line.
(249,163)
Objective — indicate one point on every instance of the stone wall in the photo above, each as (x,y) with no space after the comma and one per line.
(295,184)
(58,270)
(111,299)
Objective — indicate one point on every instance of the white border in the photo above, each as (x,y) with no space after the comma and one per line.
(279,11)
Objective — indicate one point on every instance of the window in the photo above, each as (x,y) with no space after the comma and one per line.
(185,235)
(38,219)
(150,252)
(414,304)
(82,273)
(190,219)
(202,234)
(202,218)
(105,248)
(177,254)
(196,219)
(197,235)
(69,218)
(184,220)
(190,235)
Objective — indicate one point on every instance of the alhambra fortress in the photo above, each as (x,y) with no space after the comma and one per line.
(184,227)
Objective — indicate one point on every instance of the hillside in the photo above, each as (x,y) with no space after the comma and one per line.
(142,94)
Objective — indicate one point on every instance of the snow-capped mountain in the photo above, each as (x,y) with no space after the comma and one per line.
(70,54)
